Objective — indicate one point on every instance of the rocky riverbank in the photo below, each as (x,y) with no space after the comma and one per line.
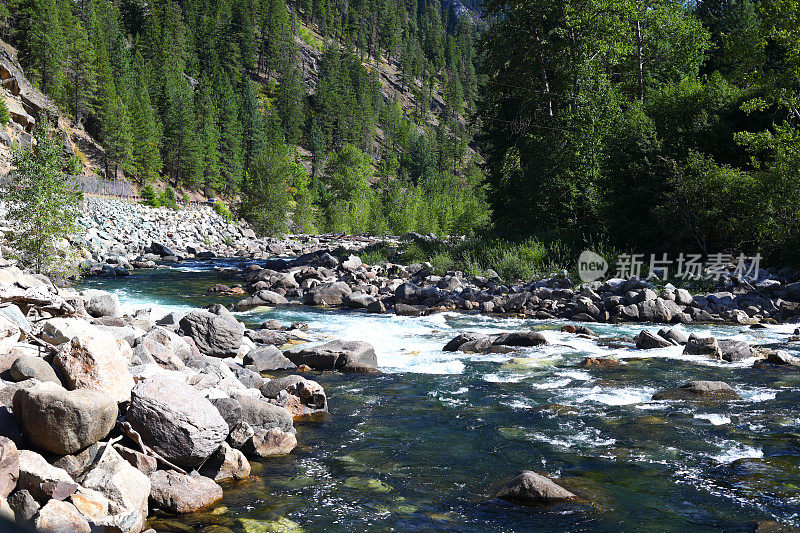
(321,279)
(107,418)
(123,235)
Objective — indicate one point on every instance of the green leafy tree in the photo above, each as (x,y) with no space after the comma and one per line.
(265,200)
(41,207)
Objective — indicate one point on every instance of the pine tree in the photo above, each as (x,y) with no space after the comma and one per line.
(81,71)
(290,100)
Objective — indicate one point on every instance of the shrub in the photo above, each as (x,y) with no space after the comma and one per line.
(74,166)
(168,198)
(4,116)
(149,196)
(223,211)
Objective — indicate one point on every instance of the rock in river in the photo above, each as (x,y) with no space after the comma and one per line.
(181,493)
(531,488)
(216,335)
(699,390)
(355,356)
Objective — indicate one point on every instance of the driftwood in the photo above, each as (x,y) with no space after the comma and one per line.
(126,428)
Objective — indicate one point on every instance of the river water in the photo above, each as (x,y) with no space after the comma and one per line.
(418,447)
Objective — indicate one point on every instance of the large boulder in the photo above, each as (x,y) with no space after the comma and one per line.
(126,488)
(699,390)
(354,356)
(97,362)
(530,488)
(33,367)
(64,422)
(10,334)
(261,414)
(261,298)
(708,346)
(300,396)
(521,338)
(733,350)
(215,335)
(176,420)
(647,340)
(327,294)
(658,310)
(181,493)
(9,466)
(61,330)
(470,339)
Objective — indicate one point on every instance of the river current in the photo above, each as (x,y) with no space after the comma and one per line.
(418,447)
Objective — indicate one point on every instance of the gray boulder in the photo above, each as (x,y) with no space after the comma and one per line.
(115,478)
(733,350)
(176,420)
(647,340)
(354,356)
(61,517)
(530,488)
(267,359)
(327,294)
(102,304)
(456,342)
(300,396)
(707,346)
(521,338)
(64,422)
(32,367)
(214,335)
(181,493)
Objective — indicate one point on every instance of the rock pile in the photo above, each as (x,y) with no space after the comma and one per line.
(321,279)
(105,417)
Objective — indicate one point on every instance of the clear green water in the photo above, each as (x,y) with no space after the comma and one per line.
(416,448)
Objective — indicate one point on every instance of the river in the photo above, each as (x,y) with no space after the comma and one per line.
(417,447)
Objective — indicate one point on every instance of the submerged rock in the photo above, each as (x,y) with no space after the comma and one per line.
(530,488)
(699,390)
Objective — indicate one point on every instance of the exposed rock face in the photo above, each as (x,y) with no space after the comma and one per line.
(352,356)
(176,420)
(64,422)
(531,488)
(300,396)
(699,390)
(97,362)
(180,493)
(214,335)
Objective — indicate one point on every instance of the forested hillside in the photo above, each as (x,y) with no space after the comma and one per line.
(279,104)
(656,126)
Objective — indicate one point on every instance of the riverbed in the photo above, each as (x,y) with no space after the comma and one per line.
(419,446)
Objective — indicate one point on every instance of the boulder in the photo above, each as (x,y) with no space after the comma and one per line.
(707,346)
(327,294)
(97,362)
(647,340)
(521,338)
(61,517)
(9,466)
(658,310)
(781,357)
(336,355)
(530,488)
(300,396)
(24,506)
(41,479)
(146,464)
(32,367)
(267,359)
(90,503)
(226,463)
(733,350)
(64,422)
(215,335)
(101,303)
(76,464)
(266,443)
(260,299)
(699,390)
(112,476)
(176,420)
(464,338)
(10,334)
(61,330)
(675,336)
(181,493)
(261,414)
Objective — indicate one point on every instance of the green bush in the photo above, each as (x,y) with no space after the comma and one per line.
(168,198)
(4,116)
(223,211)
(74,166)
(149,196)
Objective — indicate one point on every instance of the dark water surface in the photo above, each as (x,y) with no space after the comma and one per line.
(417,448)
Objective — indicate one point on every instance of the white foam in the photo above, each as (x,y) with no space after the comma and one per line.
(715,419)
(734,451)
(624,396)
(503,378)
